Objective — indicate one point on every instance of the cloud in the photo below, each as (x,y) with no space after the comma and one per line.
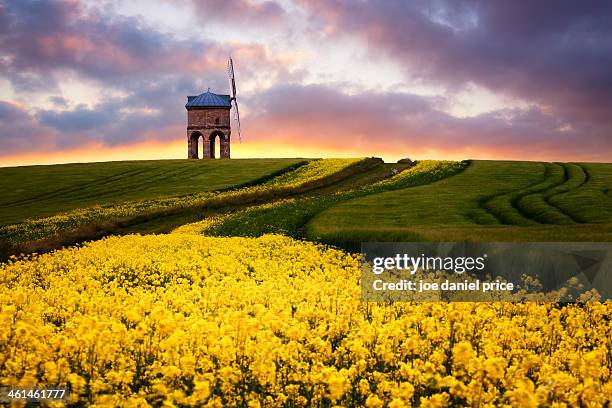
(150,112)
(58,101)
(233,11)
(379,123)
(44,39)
(20,131)
(315,116)
(44,42)
(556,53)
(77,120)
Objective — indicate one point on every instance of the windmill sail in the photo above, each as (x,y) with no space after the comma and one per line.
(232,79)
(237,118)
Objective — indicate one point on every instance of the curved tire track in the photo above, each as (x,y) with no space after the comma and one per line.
(585,180)
(521,217)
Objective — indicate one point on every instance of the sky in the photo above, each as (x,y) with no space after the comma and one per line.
(443,79)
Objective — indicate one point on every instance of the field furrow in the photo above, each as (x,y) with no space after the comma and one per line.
(489,201)
(66,191)
(539,206)
(588,201)
(507,207)
(144,181)
(39,191)
(96,221)
(341,202)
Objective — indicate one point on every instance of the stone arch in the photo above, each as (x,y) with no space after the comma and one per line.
(193,142)
(224,144)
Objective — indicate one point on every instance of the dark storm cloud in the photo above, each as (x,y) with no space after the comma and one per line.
(558,53)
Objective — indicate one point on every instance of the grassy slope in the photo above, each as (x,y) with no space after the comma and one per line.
(590,202)
(87,225)
(290,216)
(489,201)
(309,203)
(36,191)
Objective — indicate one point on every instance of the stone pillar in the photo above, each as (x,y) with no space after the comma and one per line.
(212,139)
(224,148)
(192,146)
(207,152)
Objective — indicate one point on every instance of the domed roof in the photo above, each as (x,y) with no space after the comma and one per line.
(209,100)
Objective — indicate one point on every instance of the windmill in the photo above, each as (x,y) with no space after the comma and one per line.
(232,80)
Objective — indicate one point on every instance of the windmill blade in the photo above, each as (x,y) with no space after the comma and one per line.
(232,80)
(237,118)
(230,74)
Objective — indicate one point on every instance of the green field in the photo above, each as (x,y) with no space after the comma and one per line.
(489,201)
(38,191)
(473,201)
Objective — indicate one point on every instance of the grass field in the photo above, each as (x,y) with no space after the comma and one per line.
(474,201)
(38,191)
(289,217)
(162,213)
(490,200)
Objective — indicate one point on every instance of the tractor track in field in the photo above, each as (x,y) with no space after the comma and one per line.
(84,191)
(587,179)
(67,191)
(514,201)
(483,201)
(138,187)
(544,216)
(548,197)
(138,222)
(134,180)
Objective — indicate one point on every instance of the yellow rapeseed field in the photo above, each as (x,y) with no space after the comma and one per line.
(424,169)
(187,320)
(183,319)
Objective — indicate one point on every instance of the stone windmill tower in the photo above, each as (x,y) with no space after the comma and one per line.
(208,118)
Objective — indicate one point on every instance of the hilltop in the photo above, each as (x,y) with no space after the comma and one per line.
(336,201)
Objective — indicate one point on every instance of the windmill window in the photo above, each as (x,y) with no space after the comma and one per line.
(216,121)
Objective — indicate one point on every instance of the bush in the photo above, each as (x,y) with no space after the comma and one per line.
(407,160)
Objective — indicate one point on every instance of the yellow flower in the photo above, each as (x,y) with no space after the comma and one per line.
(192,320)
(435,401)
(494,368)
(462,353)
(364,387)
(373,401)
(77,383)
(523,395)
